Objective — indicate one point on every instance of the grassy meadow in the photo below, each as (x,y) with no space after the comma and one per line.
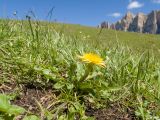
(43,75)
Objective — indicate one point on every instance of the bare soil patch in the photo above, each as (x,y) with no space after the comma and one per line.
(28,95)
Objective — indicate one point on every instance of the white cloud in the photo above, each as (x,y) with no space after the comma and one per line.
(116,14)
(134,4)
(156,1)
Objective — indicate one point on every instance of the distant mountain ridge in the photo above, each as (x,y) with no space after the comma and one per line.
(137,23)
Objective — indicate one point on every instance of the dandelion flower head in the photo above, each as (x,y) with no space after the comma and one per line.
(92,58)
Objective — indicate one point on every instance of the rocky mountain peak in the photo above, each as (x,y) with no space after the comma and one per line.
(151,23)
(129,16)
(139,23)
(124,23)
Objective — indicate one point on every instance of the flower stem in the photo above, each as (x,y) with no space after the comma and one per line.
(87,71)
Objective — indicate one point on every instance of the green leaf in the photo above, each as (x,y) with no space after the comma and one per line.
(49,115)
(6,107)
(15,110)
(72,109)
(46,71)
(88,118)
(62,117)
(86,85)
(4,103)
(59,85)
(70,86)
(31,117)
(36,68)
(104,94)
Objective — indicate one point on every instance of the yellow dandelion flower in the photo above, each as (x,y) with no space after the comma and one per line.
(92,58)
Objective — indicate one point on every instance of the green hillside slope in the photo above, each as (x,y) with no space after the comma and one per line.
(107,38)
(56,71)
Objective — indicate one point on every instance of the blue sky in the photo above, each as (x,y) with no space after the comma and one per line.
(85,12)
